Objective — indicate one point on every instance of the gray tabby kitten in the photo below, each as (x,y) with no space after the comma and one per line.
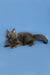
(23,38)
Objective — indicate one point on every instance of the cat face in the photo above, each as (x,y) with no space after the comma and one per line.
(11,35)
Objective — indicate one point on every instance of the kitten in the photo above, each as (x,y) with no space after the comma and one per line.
(23,38)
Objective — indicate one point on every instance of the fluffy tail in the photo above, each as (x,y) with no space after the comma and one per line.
(40,37)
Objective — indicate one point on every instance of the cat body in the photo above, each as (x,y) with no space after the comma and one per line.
(23,38)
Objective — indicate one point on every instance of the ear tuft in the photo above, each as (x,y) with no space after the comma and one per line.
(14,30)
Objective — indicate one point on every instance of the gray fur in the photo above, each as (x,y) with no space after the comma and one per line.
(23,38)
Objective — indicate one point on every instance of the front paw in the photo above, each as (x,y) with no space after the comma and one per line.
(5,45)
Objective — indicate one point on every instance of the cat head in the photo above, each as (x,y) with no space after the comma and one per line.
(11,34)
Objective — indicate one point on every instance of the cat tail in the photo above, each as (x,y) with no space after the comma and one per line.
(41,37)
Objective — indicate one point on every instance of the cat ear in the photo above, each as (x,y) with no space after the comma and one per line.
(14,30)
(7,31)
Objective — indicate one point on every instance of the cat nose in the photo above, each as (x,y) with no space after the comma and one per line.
(10,35)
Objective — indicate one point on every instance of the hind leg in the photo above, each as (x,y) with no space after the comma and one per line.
(31,43)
